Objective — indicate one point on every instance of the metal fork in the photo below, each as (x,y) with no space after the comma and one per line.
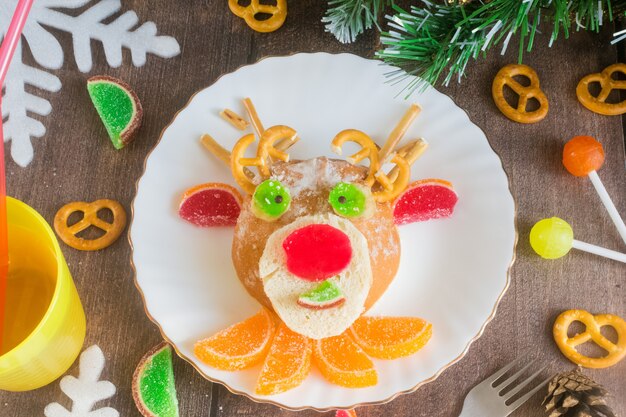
(488,400)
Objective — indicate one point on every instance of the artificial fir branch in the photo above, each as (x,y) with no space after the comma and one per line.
(346,19)
(437,41)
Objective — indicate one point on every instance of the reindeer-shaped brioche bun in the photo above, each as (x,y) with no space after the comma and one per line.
(259,258)
(316,241)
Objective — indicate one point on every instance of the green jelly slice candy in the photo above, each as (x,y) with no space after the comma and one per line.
(118,107)
(154,391)
(271,200)
(349,200)
(325,295)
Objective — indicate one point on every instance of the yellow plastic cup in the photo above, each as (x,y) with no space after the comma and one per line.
(44,327)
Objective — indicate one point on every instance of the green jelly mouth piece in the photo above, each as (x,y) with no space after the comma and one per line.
(156,385)
(115,107)
(322,294)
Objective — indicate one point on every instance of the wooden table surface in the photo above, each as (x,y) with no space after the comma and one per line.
(75,161)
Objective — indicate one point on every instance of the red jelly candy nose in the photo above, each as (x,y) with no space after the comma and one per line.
(317,252)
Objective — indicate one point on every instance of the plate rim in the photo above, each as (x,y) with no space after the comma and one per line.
(269,400)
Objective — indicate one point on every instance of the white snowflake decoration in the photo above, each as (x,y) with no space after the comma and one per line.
(19,127)
(86,390)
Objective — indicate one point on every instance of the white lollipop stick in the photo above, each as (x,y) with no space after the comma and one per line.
(608,203)
(597,250)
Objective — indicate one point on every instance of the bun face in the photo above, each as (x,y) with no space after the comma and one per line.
(260,259)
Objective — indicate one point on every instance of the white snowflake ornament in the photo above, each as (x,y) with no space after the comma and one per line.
(86,390)
(19,127)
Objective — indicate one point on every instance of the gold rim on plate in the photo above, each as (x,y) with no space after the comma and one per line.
(269,401)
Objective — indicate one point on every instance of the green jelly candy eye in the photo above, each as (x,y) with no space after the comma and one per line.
(348,200)
(271,200)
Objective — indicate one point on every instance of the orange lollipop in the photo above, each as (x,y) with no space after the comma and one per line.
(583,154)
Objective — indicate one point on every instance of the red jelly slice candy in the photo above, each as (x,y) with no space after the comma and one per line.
(425,200)
(317,252)
(583,154)
(345,413)
(209,205)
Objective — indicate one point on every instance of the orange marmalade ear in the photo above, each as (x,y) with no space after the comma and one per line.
(424,200)
(210,205)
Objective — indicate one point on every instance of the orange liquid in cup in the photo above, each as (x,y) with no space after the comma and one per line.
(30,286)
(44,321)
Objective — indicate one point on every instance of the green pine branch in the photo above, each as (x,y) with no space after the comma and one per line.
(346,19)
(436,42)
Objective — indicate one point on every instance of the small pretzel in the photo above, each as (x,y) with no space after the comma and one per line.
(607,84)
(519,114)
(249,13)
(368,150)
(390,189)
(90,218)
(567,345)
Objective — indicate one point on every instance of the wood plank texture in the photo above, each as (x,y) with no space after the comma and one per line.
(75,161)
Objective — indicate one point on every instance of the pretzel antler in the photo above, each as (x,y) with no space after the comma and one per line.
(398,132)
(267,151)
(392,184)
(282,144)
(368,150)
(411,153)
(238,163)
(268,146)
(390,188)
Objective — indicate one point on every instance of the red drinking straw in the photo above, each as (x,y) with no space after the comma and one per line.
(7,49)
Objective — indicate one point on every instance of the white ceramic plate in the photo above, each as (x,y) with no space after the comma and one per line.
(452,272)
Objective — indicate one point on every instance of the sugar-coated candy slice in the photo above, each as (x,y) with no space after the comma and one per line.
(342,362)
(325,295)
(239,346)
(345,413)
(551,238)
(287,364)
(350,200)
(153,385)
(391,337)
(424,200)
(210,205)
(118,106)
(317,252)
(583,154)
(271,199)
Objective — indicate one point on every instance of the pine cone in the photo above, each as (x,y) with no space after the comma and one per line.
(572,394)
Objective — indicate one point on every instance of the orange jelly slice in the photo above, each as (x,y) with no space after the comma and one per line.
(391,337)
(343,362)
(287,364)
(239,346)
